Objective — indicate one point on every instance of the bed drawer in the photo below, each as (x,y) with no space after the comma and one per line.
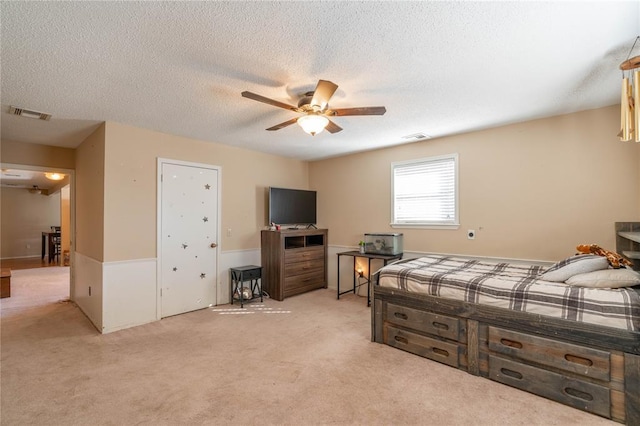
(576,393)
(426,347)
(427,322)
(566,356)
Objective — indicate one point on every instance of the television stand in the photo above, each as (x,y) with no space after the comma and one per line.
(293,261)
(311,225)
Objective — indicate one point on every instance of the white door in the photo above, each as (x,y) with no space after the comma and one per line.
(189,237)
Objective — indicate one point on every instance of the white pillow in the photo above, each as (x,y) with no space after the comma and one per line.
(607,278)
(574,265)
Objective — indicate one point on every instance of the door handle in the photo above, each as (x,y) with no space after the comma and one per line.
(213,245)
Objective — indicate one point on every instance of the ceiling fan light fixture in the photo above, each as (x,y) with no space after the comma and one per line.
(54,176)
(313,124)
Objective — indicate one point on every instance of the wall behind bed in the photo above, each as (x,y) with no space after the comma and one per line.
(531,190)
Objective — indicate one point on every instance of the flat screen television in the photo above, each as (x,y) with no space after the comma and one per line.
(292,206)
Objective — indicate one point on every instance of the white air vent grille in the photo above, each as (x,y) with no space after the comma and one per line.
(23,112)
(417,136)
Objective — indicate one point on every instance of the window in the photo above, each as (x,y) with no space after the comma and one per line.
(425,192)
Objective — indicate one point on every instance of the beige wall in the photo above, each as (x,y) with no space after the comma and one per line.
(130,188)
(37,155)
(24,217)
(89,195)
(531,190)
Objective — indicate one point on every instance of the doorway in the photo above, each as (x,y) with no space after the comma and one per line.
(41,201)
(188,225)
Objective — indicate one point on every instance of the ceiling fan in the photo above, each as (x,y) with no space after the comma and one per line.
(315,107)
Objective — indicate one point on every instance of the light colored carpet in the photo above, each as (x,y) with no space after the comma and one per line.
(35,288)
(308,360)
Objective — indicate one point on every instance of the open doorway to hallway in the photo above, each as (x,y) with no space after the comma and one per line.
(36,225)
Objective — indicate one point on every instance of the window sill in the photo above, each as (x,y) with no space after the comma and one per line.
(425,226)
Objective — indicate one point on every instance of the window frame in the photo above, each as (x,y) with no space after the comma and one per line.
(453,224)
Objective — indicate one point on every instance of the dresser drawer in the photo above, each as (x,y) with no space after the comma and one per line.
(427,322)
(309,266)
(301,254)
(576,393)
(309,279)
(437,350)
(566,356)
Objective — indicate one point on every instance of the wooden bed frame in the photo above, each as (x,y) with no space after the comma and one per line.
(589,367)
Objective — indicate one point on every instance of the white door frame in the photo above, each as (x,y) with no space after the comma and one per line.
(160,163)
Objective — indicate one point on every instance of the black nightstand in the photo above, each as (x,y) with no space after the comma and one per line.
(239,275)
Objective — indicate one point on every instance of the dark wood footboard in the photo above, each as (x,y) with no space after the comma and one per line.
(592,368)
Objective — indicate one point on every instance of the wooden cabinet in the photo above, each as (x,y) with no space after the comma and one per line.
(294,261)
(628,241)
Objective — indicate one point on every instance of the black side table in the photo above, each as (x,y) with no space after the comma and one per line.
(386,258)
(239,275)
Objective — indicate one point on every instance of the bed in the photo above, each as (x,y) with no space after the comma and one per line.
(513,323)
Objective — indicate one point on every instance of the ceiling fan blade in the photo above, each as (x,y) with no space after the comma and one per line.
(380,110)
(259,98)
(282,125)
(324,91)
(333,127)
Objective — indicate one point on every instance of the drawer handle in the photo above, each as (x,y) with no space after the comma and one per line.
(511,373)
(400,315)
(578,360)
(440,325)
(578,394)
(401,339)
(441,352)
(511,343)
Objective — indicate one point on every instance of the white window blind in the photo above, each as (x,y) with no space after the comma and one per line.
(425,191)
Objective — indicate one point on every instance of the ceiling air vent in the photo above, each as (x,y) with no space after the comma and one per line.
(23,112)
(417,136)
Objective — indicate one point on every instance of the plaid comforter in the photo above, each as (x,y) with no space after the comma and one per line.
(513,286)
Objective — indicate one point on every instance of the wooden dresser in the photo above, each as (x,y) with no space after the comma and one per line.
(294,261)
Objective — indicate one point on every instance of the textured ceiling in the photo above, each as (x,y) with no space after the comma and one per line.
(179,67)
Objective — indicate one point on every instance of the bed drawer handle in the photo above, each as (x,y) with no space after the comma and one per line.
(402,340)
(440,325)
(511,343)
(578,360)
(511,373)
(400,315)
(578,394)
(441,352)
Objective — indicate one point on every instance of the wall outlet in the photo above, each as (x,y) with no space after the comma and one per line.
(471,234)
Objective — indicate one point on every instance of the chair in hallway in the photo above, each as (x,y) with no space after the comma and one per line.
(55,244)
